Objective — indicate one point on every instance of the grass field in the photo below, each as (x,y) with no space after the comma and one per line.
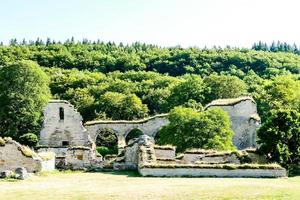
(128,186)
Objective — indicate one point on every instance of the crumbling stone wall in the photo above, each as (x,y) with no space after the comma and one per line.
(12,157)
(244,119)
(63,126)
(121,128)
(82,157)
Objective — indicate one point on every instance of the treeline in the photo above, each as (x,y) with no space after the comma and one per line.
(175,61)
(276,47)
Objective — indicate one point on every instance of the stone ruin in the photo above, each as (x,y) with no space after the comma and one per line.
(74,144)
(64,134)
(244,119)
(15,157)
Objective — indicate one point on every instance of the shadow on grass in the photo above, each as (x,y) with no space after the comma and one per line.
(128,173)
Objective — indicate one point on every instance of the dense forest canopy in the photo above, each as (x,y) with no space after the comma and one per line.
(175,61)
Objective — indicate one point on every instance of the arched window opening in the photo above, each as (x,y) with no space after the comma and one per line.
(107,142)
(61,114)
(133,134)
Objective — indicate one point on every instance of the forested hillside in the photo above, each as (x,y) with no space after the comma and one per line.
(108,57)
(109,81)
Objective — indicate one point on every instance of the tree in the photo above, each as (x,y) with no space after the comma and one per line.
(283,92)
(120,106)
(24,92)
(191,129)
(221,86)
(279,137)
(192,88)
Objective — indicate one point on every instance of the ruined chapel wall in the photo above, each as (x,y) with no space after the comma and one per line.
(242,123)
(70,129)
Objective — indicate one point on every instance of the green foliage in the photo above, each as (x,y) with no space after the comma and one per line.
(107,150)
(279,137)
(191,129)
(191,88)
(121,106)
(135,133)
(283,92)
(24,94)
(2,142)
(106,138)
(222,87)
(176,61)
(29,139)
(26,151)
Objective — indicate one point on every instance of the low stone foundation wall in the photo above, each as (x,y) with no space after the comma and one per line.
(48,165)
(165,152)
(198,172)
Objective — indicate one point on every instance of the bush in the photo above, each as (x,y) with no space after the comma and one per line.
(280,138)
(2,142)
(107,150)
(29,139)
(26,151)
(191,129)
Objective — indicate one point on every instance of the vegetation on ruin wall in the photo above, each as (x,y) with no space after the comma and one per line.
(213,166)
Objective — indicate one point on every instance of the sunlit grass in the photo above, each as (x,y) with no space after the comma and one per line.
(129,185)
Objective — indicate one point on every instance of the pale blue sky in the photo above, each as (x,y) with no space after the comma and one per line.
(161,22)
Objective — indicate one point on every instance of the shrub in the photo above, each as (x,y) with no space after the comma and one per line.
(2,142)
(280,138)
(29,139)
(107,150)
(26,151)
(191,129)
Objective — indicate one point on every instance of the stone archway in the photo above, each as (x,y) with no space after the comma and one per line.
(132,134)
(106,141)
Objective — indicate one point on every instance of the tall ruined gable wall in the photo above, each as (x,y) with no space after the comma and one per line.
(242,123)
(69,129)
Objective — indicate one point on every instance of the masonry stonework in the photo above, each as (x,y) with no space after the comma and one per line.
(63,126)
(244,119)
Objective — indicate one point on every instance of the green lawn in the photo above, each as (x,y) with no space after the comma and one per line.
(128,186)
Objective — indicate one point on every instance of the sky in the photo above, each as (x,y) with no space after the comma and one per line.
(238,23)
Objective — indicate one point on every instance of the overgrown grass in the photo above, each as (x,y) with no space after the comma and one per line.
(26,151)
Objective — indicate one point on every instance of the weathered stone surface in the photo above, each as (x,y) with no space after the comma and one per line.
(149,126)
(6,174)
(21,173)
(11,158)
(244,119)
(161,153)
(194,172)
(61,131)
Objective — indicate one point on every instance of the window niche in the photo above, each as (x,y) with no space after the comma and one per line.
(61,114)
(65,143)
